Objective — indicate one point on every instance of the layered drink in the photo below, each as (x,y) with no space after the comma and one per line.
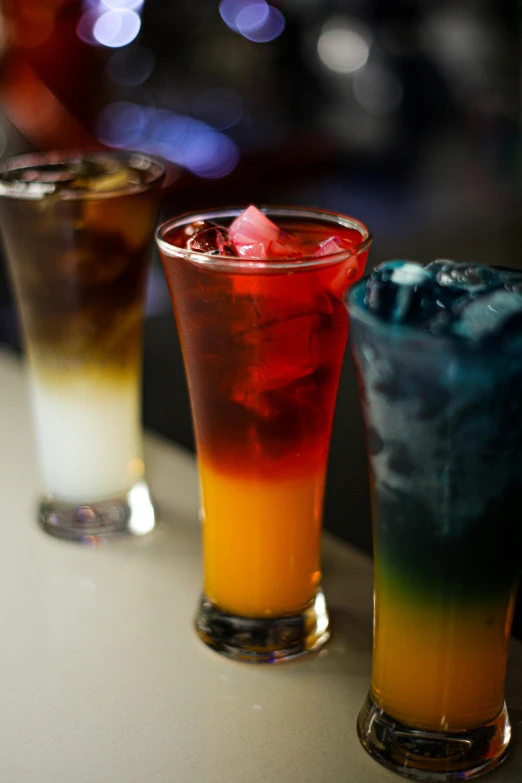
(77,231)
(439,355)
(258,301)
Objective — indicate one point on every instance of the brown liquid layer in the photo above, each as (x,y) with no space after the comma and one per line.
(79,267)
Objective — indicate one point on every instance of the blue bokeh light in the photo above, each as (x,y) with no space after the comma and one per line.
(183,140)
(253,19)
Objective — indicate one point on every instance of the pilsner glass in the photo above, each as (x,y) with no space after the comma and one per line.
(77,230)
(443,417)
(263,344)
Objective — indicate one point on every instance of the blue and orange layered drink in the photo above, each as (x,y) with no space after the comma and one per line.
(439,355)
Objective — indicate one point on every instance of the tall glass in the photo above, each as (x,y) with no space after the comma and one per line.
(77,230)
(263,344)
(444,430)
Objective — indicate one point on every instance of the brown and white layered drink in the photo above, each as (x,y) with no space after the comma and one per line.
(77,231)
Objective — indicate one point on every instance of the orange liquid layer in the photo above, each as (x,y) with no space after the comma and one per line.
(261,541)
(440,669)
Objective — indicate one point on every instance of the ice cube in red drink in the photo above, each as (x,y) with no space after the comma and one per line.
(212,240)
(194,228)
(332,245)
(256,237)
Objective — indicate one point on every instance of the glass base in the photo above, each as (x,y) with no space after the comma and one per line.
(432,756)
(258,640)
(131,513)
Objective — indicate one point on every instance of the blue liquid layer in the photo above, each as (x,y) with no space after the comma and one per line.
(444,420)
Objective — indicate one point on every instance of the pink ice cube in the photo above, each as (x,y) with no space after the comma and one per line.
(333,245)
(256,237)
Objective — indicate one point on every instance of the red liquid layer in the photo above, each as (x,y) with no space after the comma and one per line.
(263,355)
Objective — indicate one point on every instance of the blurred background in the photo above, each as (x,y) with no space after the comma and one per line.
(403,113)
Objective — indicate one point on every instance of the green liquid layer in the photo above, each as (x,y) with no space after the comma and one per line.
(472,560)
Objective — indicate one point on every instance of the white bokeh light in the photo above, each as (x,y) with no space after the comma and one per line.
(142,518)
(343,48)
(131,5)
(117,28)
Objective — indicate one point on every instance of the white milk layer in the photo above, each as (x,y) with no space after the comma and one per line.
(88,436)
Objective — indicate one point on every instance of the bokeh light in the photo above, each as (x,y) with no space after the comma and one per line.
(84,29)
(211,155)
(343,47)
(230,10)
(120,124)
(271,28)
(253,19)
(183,140)
(111,23)
(117,28)
(132,5)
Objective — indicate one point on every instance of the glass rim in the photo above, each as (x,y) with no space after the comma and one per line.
(246,265)
(410,333)
(38,189)
(360,313)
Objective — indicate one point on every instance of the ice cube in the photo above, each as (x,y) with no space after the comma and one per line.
(463,278)
(50,172)
(256,237)
(399,291)
(286,247)
(511,278)
(194,228)
(333,245)
(101,174)
(284,352)
(490,315)
(213,241)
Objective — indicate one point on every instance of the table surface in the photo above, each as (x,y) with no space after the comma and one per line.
(103,679)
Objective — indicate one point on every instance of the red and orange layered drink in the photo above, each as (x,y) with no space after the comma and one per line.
(263,331)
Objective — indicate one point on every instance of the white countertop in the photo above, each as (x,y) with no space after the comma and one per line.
(102,679)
